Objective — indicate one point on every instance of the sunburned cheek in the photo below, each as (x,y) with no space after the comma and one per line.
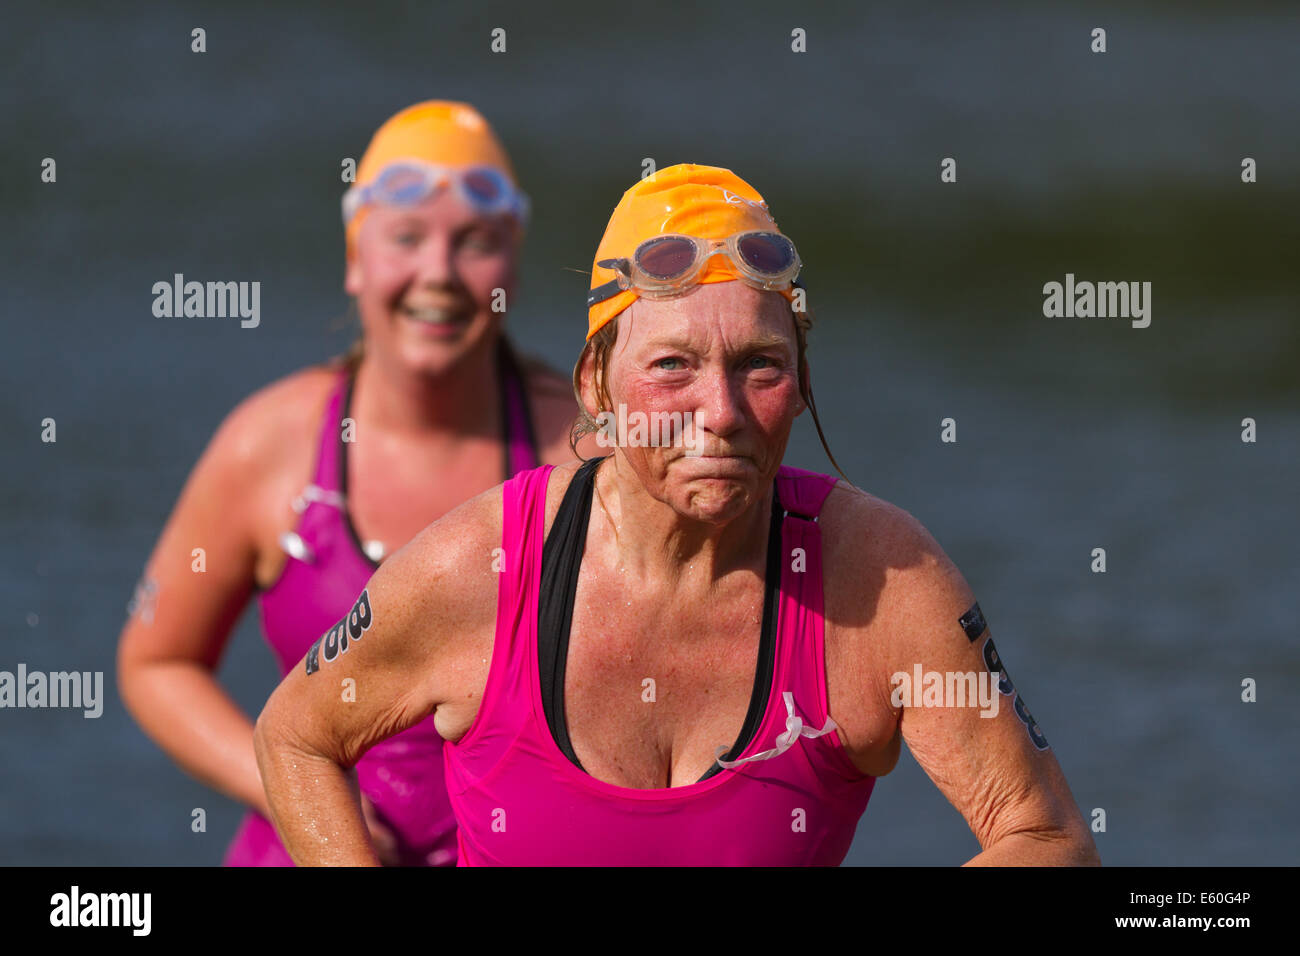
(657,396)
(482,278)
(385,268)
(385,291)
(773,407)
(768,405)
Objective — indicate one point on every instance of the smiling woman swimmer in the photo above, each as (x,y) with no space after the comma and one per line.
(313,481)
(688,654)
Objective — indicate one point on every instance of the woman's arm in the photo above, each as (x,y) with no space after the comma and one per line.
(989,757)
(964,719)
(185,608)
(418,640)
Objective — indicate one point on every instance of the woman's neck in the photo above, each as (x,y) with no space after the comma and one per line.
(665,543)
(465,399)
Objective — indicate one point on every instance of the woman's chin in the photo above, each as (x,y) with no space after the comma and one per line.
(716,501)
(437,354)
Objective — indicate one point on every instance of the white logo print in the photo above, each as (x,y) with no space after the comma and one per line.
(794,729)
(133,910)
(734,200)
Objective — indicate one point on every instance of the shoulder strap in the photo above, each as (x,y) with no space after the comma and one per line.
(801,624)
(511,689)
(327,459)
(561,562)
(521,443)
(803,493)
(523,526)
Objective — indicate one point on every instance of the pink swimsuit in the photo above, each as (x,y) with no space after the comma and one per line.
(327,569)
(519,794)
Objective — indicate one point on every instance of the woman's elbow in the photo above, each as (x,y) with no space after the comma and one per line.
(1080,847)
(274,735)
(266,735)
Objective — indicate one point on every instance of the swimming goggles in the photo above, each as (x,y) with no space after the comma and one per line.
(410,182)
(665,265)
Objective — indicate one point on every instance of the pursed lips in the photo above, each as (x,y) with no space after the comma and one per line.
(722,463)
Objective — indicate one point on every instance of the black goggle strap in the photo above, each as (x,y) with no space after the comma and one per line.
(603,292)
(610,288)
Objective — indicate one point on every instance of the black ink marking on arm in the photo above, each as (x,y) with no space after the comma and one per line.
(995,666)
(334,642)
(973,623)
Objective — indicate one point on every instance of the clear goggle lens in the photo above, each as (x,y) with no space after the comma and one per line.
(485,188)
(665,265)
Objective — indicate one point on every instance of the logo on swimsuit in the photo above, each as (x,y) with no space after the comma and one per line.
(335,641)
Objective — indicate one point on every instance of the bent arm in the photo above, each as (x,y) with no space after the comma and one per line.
(182,615)
(987,755)
(403,651)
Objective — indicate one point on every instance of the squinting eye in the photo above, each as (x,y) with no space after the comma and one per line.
(661,362)
(406,239)
(760,358)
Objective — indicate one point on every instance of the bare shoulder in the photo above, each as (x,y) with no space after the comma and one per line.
(453,566)
(879,558)
(266,450)
(450,568)
(260,449)
(443,586)
(888,588)
(886,575)
(275,423)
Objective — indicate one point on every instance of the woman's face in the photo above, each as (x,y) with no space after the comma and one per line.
(725,354)
(426,278)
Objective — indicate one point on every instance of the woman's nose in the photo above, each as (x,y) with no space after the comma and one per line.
(720,409)
(436,266)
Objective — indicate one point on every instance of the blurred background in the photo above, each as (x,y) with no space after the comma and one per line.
(1072,433)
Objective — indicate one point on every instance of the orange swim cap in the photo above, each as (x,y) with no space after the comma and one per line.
(702,201)
(436,131)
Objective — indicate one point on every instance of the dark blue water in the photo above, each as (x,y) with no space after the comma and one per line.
(1072,433)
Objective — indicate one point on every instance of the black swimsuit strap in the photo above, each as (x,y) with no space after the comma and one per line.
(512,385)
(561,560)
